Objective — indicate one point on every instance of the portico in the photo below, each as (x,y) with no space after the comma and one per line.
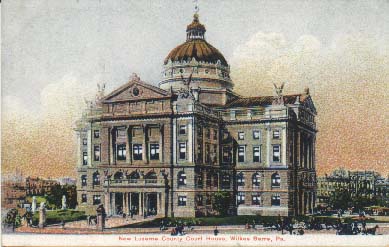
(142,203)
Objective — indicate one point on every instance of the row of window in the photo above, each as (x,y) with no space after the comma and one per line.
(240,198)
(137,153)
(257,157)
(256,180)
(183,131)
(256,199)
(257,135)
(121,152)
(96,199)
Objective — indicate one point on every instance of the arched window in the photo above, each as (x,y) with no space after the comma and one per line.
(226,181)
(256,180)
(151,178)
(275,180)
(181,178)
(118,176)
(96,178)
(83,180)
(134,176)
(240,179)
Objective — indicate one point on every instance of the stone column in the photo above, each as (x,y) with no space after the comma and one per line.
(42,215)
(107,202)
(128,144)
(158,203)
(79,149)
(145,156)
(113,204)
(161,143)
(111,143)
(268,146)
(129,203)
(283,151)
(125,203)
(140,204)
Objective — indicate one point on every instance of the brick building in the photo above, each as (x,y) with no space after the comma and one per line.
(13,195)
(39,186)
(168,149)
(358,183)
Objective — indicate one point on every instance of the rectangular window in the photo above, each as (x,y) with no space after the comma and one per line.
(240,135)
(96,133)
(84,158)
(154,151)
(276,153)
(257,154)
(276,200)
(182,150)
(96,199)
(96,151)
(208,133)
(215,135)
(121,151)
(256,199)
(182,201)
(199,200)
(83,198)
(276,134)
(226,154)
(241,153)
(137,151)
(84,141)
(256,134)
(83,180)
(241,198)
(207,153)
(121,132)
(182,129)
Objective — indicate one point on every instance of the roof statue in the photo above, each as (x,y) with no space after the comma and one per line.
(279,99)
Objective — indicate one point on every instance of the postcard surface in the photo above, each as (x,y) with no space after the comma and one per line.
(195,123)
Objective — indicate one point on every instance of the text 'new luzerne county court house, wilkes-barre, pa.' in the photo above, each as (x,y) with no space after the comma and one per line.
(169,149)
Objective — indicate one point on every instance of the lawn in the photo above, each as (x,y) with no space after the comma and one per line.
(56,216)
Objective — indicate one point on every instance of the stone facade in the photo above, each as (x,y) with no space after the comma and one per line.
(167,150)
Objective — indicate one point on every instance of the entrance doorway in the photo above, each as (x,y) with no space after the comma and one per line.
(151,204)
(118,210)
(134,202)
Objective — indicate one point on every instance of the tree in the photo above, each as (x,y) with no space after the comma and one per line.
(340,199)
(70,191)
(222,201)
(54,196)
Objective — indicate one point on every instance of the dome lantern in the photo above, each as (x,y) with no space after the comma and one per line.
(195,30)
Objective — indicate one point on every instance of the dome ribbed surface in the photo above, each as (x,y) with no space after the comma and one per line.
(199,49)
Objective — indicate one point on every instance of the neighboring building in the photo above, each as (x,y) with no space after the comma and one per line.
(13,195)
(168,149)
(67,181)
(39,186)
(358,183)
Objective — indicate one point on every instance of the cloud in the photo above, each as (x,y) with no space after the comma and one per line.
(348,80)
(38,141)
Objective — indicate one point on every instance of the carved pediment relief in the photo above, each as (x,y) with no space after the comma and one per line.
(135,89)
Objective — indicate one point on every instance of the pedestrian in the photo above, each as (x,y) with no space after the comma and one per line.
(363,226)
(216,231)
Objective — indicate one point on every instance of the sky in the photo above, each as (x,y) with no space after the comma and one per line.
(55,52)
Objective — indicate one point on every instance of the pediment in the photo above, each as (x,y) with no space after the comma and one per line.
(308,103)
(135,90)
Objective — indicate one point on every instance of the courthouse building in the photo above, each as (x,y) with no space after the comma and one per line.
(169,149)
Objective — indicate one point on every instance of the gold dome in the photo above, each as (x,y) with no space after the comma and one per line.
(196,47)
